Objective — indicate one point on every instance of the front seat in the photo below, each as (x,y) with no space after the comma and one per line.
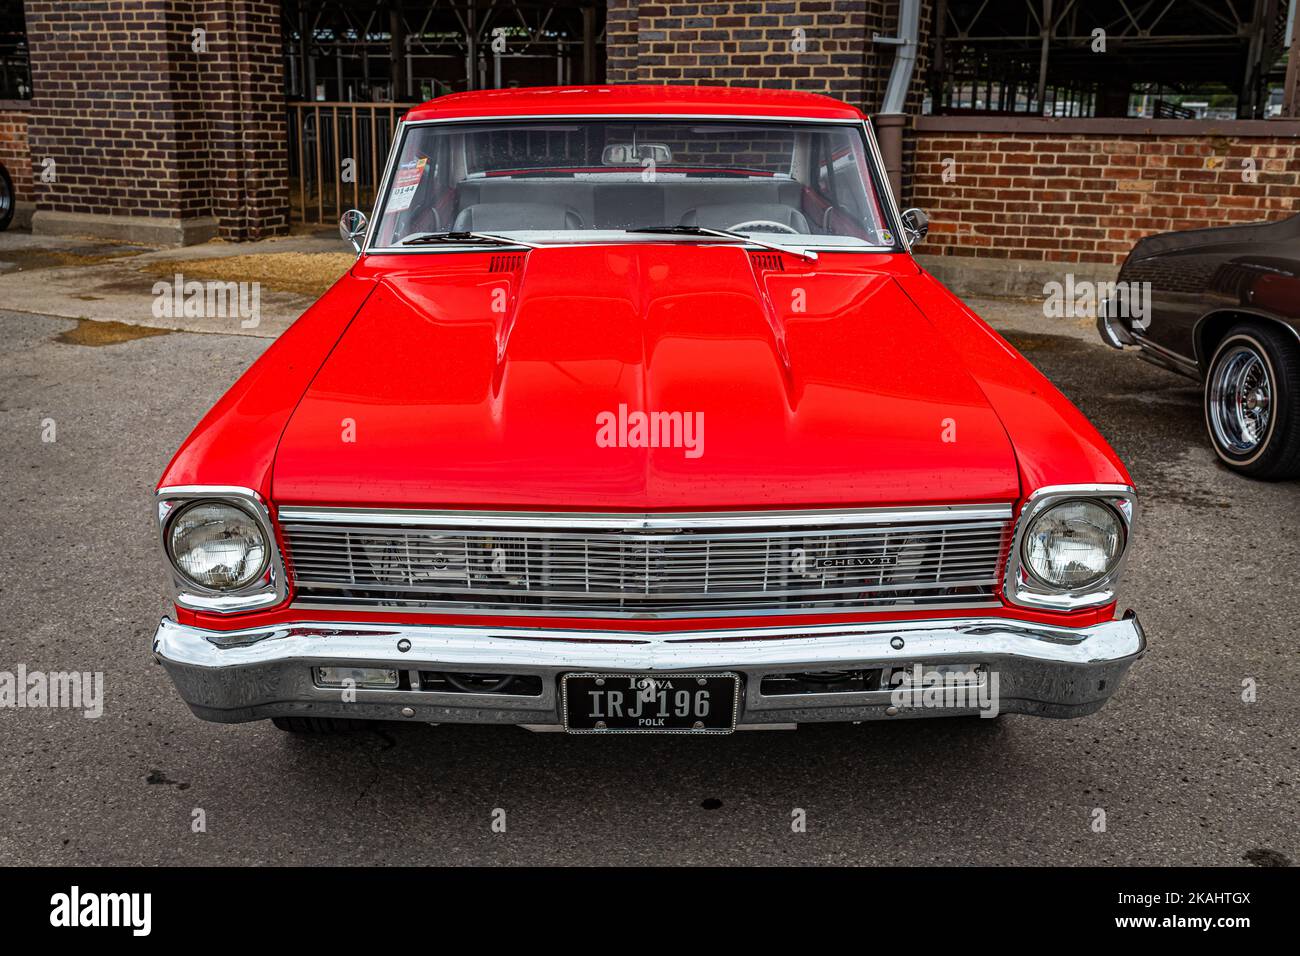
(724,215)
(492,217)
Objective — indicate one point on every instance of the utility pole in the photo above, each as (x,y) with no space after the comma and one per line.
(1291,91)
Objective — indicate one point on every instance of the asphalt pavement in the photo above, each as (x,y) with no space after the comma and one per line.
(1179,767)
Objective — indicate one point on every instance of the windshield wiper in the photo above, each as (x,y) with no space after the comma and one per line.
(477,238)
(722,234)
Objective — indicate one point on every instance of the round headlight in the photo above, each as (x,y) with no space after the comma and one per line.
(1074,544)
(217,546)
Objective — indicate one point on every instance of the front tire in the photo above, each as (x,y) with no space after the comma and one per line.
(8,199)
(319,725)
(1252,402)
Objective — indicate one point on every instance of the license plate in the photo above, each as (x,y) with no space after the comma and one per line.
(650,704)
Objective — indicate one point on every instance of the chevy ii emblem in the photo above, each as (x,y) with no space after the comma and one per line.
(857,561)
(802,563)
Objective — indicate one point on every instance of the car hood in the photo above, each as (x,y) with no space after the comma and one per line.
(519,381)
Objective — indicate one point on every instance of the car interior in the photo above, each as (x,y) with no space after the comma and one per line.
(485,205)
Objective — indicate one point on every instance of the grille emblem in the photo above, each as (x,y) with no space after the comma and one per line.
(885,559)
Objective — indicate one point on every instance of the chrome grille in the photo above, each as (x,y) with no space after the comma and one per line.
(663,565)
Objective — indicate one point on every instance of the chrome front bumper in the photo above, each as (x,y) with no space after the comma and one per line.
(234,676)
(1112,329)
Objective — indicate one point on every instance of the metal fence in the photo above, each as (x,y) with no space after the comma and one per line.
(336,156)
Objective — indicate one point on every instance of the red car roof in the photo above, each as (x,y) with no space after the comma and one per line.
(652,100)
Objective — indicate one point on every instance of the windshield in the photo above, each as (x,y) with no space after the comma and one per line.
(795,184)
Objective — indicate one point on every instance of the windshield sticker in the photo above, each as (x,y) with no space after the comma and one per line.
(405,183)
(886,237)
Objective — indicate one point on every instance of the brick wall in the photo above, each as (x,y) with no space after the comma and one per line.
(1063,195)
(748,44)
(103,119)
(142,125)
(13,150)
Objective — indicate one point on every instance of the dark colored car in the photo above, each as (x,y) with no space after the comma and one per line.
(1224,309)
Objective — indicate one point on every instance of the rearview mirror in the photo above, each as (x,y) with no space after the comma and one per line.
(916,224)
(629,154)
(352,227)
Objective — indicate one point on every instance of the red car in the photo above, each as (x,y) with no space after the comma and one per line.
(635,414)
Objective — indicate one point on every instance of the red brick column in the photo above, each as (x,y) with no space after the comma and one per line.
(620,41)
(749,44)
(242,96)
(157,134)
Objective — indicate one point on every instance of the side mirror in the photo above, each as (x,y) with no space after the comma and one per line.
(916,224)
(352,227)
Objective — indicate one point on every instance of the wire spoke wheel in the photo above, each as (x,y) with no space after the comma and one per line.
(1241,400)
(1252,401)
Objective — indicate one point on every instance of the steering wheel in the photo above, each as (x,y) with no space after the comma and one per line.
(763,225)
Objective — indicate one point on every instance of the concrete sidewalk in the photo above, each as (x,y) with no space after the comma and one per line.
(116,282)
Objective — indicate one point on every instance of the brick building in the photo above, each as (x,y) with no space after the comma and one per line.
(177,120)
(158,120)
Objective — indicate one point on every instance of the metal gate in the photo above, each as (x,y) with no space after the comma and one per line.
(336,156)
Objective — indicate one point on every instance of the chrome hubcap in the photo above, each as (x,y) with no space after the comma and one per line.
(1241,399)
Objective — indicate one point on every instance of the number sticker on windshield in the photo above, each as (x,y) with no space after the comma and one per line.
(406,182)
